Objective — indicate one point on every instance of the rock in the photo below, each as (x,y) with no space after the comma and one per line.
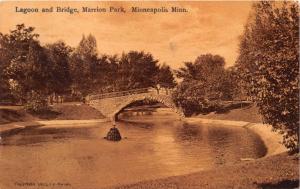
(113,135)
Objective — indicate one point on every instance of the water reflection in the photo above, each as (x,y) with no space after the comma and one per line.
(189,133)
(157,145)
(36,135)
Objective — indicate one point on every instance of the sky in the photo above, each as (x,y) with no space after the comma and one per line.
(172,38)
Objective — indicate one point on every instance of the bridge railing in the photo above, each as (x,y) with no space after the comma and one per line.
(120,93)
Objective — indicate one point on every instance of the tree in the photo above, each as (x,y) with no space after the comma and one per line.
(58,55)
(190,96)
(204,83)
(14,47)
(17,43)
(83,65)
(107,80)
(232,85)
(4,84)
(165,77)
(268,63)
(132,70)
(29,74)
(137,70)
(25,60)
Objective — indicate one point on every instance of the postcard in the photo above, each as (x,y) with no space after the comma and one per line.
(149,94)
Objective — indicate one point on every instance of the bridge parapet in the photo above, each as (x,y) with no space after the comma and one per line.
(119,93)
(129,92)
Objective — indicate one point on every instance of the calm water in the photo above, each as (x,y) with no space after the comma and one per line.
(154,146)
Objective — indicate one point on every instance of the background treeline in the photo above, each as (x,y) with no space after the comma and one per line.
(29,69)
(266,71)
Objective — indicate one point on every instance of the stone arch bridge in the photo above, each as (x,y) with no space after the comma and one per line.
(110,104)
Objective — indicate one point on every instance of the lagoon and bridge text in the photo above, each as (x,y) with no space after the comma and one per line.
(111,9)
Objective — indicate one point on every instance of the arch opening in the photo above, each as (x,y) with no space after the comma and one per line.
(147,100)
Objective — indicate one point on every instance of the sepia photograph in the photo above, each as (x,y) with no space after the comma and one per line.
(149,94)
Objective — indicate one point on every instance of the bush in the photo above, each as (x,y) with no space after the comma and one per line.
(191,99)
(36,103)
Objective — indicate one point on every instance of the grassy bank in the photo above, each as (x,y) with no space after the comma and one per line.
(248,113)
(58,112)
(274,172)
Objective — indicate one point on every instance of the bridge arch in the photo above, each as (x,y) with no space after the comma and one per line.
(164,99)
(110,104)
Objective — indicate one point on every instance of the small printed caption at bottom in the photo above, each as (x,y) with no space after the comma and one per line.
(42,184)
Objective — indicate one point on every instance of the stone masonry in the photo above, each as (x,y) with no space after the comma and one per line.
(111,106)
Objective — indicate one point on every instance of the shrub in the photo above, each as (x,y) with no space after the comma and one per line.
(36,103)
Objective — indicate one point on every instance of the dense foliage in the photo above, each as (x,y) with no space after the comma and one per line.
(204,83)
(269,65)
(24,62)
(30,72)
(92,73)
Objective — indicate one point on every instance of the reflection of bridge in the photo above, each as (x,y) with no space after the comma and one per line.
(110,104)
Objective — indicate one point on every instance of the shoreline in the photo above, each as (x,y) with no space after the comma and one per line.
(272,140)
(272,169)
